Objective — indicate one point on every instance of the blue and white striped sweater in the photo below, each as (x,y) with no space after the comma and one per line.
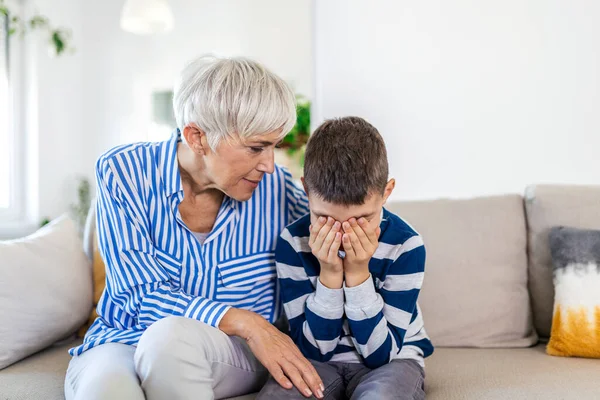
(155,267)
(372,323)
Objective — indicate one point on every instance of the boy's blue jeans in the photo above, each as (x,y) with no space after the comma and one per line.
(400,379)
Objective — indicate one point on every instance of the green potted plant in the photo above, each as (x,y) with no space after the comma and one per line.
(80,210)
(58,37)
(290,153)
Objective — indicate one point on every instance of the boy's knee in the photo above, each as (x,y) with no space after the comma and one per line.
(273,390)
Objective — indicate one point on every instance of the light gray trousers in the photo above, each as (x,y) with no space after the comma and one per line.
(176,358)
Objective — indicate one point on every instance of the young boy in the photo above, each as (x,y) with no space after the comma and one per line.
(350,273)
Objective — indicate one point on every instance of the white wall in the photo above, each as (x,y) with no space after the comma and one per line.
(121,70)
(54,129)
(472,97)
(82,104)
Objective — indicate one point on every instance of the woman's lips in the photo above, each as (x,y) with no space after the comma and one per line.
(252,183)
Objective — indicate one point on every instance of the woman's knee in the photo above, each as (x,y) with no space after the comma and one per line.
(102,373)
(169,342)
(110,384)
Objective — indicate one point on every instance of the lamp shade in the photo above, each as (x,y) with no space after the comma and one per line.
(145,17)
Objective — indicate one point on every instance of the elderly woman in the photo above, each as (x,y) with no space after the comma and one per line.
(187,229)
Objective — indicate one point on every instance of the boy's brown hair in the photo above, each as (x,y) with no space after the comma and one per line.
(345,161)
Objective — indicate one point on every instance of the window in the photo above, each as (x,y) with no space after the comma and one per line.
(5,119)
(11,184)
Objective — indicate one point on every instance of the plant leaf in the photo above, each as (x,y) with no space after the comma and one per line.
(38,21)
(59,42)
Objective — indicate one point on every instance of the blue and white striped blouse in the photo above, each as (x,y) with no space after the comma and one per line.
(155,267)
(372,323)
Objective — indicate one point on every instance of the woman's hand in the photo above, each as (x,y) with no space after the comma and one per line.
(275,351)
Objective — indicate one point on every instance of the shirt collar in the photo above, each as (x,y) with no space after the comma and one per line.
(170,165)
(170,170)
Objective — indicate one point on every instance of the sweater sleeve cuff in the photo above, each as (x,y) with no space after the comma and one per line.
(327,303)
(362,301)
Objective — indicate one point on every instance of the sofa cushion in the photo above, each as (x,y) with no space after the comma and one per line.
(516,374)
(40,376)
(98,285)
(475,289)
(576,319)
(45,289)
(451,374)
(549,206)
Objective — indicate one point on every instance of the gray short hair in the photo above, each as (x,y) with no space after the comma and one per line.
(233,96)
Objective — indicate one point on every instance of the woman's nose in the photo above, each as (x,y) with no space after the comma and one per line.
(267,163)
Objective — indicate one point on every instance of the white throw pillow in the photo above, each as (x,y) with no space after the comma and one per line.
(45,289)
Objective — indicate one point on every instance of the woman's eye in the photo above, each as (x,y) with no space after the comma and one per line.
(256,149)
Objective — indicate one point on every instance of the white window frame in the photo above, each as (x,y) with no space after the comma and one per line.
(12,219)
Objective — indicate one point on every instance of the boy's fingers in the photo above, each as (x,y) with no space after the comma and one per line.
(348,245)
(315,228)
(323,232)
(371,235)
(351,240)
(330,237)
(362,236)
(347,227)
(321,221)
(335,246)
(356,244)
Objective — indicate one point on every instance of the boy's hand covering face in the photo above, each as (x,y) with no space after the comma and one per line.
(359,241)
(325,242)
(356,238)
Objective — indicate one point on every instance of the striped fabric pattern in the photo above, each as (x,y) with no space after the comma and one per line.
(155,267)
(373,323)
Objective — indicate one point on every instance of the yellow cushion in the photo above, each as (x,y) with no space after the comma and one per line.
(576,320)
(99,279)
(575,332)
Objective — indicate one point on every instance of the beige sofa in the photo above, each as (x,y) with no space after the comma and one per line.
(487,301)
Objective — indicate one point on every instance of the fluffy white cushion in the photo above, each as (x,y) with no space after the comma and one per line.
(45,289)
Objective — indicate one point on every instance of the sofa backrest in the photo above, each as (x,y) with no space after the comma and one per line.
(489,272)
(475,291)
(548,206)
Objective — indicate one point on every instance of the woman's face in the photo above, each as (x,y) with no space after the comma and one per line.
(237,166)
